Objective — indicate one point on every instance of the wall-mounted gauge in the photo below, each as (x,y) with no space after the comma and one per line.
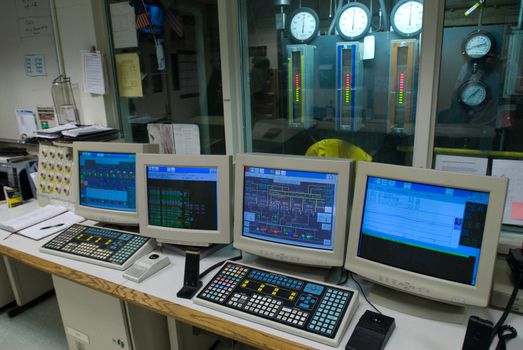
(478,44)
(407,17)
(473,94)
(304,25)
(353,21)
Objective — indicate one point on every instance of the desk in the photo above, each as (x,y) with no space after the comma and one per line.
(24,283)
(158,294)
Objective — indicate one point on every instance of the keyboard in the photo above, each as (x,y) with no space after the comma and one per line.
(316,311)
(101,246)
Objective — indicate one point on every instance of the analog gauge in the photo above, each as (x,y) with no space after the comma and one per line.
(477,44)
(354,21)
(407,17)
(304,25)
(473,94)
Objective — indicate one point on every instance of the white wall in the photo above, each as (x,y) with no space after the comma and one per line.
(77,33)
(18,91)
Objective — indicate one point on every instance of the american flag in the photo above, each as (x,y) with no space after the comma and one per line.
(142,20)
(176,22)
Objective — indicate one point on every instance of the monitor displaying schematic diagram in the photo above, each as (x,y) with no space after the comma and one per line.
(291,208)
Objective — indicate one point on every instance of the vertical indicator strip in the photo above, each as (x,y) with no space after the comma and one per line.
(401,86)
(347,86)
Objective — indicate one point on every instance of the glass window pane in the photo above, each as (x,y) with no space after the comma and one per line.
(480,96)
(178,49)
(319,71)
(481,81)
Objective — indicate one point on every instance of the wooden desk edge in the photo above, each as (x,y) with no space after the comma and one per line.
(181,313)
(85,279)
(210,323)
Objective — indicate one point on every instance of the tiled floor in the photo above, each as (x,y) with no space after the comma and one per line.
(38,328)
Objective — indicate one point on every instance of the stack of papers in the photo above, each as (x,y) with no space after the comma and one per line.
(41,222)
(31,218)
(53,225)
(56,132)
(73,131)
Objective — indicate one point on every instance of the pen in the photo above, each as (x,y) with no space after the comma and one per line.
(51,226)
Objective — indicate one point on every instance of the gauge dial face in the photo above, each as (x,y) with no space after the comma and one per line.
(407,17)
(304,25)
(477,45)
(354,21)
(473,94)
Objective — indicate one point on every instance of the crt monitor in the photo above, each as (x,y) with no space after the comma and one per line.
(430,233)
(104,180)
(291,208)
(184,199)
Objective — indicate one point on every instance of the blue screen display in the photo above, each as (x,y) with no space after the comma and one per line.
(432,230)
(108,180)
(290,207)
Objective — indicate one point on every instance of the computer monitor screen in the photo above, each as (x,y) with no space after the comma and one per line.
(185,199)
(426,232)
(292,208)
(182,197)
(105,180)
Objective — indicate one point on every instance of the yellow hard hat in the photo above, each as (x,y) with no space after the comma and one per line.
(336,148)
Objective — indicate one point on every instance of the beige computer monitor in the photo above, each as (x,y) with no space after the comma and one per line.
(419,231)
(185,199)
(300,183)
(97,199)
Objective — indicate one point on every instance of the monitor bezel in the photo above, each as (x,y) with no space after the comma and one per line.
(99,214)
(415,283)
(189,237)
(286,252)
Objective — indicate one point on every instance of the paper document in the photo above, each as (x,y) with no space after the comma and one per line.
(128,72)
(53,225)
(123,23)
(513,170)
(186,139)
(26,120)
(31,218)
(58,129)
(467,165)
(93,75)
(85,130)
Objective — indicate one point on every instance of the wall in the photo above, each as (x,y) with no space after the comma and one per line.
(17,91)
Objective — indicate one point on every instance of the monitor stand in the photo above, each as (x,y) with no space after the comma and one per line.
(204,251)
(308,272)
(416,306)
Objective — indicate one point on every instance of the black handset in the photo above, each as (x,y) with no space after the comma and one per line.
(191,278)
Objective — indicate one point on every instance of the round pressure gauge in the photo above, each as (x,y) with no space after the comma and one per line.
(354,21)
(473,94)
(478,44)
(304,25)
(407,17)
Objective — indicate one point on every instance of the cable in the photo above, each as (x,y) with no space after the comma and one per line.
(505,333)
(499,329)
(219,264)
(363,293)
(344,276)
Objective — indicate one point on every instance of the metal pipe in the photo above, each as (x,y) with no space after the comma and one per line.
(520,16)
(385,15)
(57,39)
(333,22)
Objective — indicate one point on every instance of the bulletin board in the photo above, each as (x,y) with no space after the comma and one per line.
(28,62)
